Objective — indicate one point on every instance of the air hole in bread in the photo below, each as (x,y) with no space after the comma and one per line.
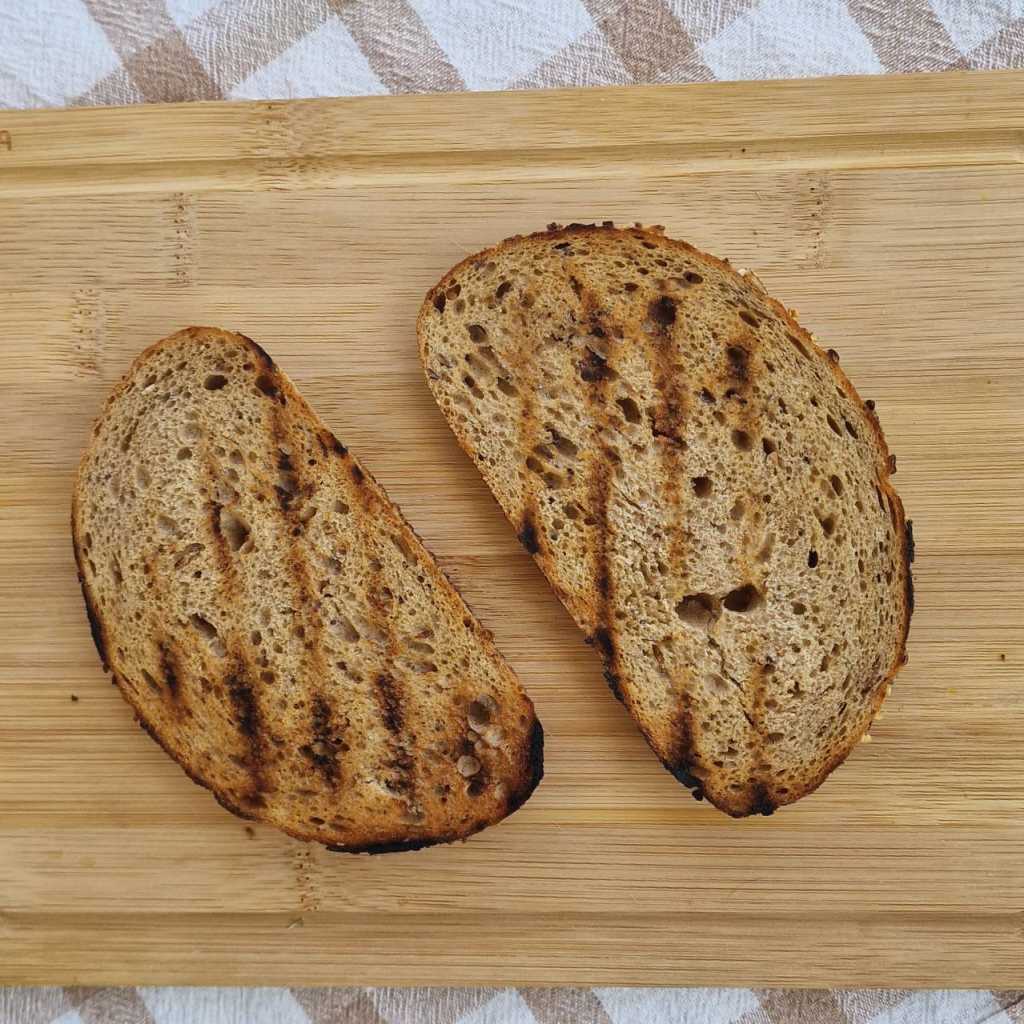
(828,525)
(168,525)
(439,302)
(662,311)
(454,291)
(404,548)
(563,445)
(743,599)
(716,683)
(768,445)
(234,529)
(477,333)
(812,559)
(630,410)
(798,345)
(737,510)
(215,381)
(765,551)
(799,608)
(742,440)
(502,290)
(266,385)
(699,610)
(833,425)
(151,682)
(837,484)
(186,555)
(749,319)
(506,387)
(630,286)
(481,712)
(850,429)
(184,453)
(701,486)
(208,631)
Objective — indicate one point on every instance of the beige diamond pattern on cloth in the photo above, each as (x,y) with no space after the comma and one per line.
(89,52)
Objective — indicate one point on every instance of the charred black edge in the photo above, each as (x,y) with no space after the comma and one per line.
(682,774)
(329,443)
(908,528)
(528,534)
(261,353)
(534,765)
(762,803)
(95,625)
(602,639)
(398,846)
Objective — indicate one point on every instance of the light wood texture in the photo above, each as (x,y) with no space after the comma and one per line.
(890,212)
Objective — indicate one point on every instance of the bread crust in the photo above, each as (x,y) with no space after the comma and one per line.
(662,732)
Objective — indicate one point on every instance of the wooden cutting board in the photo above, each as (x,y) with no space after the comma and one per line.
(889,211)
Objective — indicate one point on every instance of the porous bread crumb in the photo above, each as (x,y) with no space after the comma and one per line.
(700,483)
(274,621)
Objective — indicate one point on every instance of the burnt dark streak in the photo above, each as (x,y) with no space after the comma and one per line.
(322,750)
(528,533)
(249,724)
(261,354)
(390,698)
(169,670)
(95,626)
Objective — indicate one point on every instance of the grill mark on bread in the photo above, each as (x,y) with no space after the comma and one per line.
(592,388)
(250,725)
(322,748)
(528,533)
(389,696)
(169,669)
(388,687)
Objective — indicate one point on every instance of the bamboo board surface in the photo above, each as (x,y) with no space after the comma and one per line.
(889,211)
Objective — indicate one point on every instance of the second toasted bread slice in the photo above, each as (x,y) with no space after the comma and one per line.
(700,483)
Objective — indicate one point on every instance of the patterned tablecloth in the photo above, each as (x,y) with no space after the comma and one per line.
(87,52)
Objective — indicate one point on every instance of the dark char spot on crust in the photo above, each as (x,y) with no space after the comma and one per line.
(528,535)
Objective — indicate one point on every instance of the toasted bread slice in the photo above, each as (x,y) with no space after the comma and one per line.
(702,487)
(274,621)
